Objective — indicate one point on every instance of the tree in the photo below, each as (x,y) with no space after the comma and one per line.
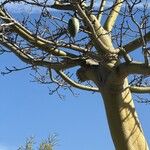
(99,54)
(47,144)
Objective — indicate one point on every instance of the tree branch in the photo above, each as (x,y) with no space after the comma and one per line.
(139,90)
(101,8)
(75,84)
(33,3)
(133,68)
(37,41)
(91,4)
(27,58)
(136,43)
(61,6)
(73,47)
(99,36)
(14,69)
(113,15)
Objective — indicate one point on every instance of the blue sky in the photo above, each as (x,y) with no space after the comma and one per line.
(28,110)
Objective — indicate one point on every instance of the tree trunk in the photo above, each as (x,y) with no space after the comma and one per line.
(124,125)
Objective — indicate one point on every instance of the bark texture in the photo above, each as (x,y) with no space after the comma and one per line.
(124,125)
(125,128)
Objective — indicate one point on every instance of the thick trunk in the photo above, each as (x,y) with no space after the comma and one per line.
(123,122)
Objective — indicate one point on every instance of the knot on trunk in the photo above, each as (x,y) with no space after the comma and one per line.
(87,73)
(96,74)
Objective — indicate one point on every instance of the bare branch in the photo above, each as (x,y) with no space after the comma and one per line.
(91,4)
(73,47)
(27,58)
(133,68)
(139,80)
(113,15)
(141,100)
(139,90)
(62,6)
(144,43)
(133,45)
(100,37)
(52,78)
(14,69)
(5,26)
(75,84)
(101,8)
(33,3)
(37,41)
(125,55)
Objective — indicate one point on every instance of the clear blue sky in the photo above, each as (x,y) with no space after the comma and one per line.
(28,110)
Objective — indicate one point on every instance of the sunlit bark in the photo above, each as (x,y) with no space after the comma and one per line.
(124,124)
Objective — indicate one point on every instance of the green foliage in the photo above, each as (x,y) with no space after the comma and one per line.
(28,145)
(44,145)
